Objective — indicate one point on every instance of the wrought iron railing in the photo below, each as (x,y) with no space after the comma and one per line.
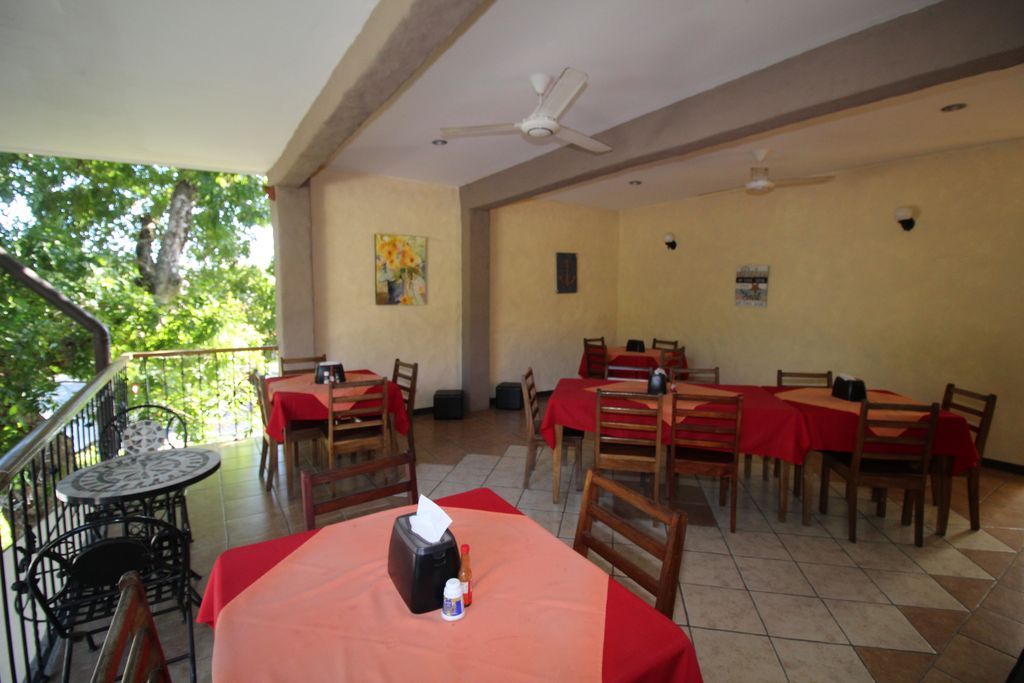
(208,386)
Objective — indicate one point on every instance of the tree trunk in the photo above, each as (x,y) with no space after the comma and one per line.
(160,276)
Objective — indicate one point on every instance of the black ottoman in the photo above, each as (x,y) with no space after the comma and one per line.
(448,404)
(508,396)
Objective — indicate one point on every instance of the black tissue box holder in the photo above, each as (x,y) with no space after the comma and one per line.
(849,389)
(420,569)
(636,345)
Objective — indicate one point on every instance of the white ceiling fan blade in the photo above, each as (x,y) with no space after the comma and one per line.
(810,180)
(491,129)
(723,191)
(577,138)
(561,94)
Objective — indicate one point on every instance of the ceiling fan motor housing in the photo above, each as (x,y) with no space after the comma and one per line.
(539,126)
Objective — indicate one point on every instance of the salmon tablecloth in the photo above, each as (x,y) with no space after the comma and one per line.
(618,355)
(832,423)
(771,427)
(311,625)
(299,397)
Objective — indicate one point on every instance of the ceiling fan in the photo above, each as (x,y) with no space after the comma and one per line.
(554,96)
(761,183)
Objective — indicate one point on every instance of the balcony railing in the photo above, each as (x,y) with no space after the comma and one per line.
(209,387)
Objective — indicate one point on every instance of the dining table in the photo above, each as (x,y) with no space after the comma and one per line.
(320,606)
(298,398)
(832,426)
(771,427)
(618,355)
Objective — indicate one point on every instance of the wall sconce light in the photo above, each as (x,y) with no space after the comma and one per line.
(670,240)
(905,217)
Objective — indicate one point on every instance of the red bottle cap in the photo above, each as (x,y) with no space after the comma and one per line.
(465,547)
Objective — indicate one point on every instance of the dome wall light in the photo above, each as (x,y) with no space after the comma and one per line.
(670,241)
(905,216)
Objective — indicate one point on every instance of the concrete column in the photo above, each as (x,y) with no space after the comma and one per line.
(476,306)
(293,267)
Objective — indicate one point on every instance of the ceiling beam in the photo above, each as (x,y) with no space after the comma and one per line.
(944,42)
(398,41)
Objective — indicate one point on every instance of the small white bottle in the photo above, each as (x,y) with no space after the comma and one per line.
(452,609)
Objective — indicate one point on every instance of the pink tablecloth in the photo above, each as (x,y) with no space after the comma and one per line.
(639,643)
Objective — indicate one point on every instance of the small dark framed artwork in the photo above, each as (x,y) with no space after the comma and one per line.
(565,273)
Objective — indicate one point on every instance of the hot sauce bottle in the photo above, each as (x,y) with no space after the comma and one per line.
(466,577)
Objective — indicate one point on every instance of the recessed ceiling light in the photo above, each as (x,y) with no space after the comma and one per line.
(957,106)
(440,142)
(636,182)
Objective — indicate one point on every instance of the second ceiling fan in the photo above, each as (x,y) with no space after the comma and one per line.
(761,182)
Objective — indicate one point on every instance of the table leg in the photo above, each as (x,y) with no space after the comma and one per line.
(556,466)
(271,462)
(945,494)
(805,477)
(783,491)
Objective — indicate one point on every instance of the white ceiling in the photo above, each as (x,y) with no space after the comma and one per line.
(222,85)
(194,83)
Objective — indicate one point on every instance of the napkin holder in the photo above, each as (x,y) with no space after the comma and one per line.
(420,569)
(849,389)
(327,373)
(658,383)
(635,345)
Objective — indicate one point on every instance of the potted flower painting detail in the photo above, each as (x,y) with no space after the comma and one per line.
(401,269)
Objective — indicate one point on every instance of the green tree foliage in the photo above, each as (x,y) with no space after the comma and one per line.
(80,225)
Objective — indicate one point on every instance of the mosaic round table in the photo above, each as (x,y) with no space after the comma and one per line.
(139,476)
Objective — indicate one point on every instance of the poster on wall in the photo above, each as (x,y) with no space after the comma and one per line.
(565,273)
(752,286)
(400,263)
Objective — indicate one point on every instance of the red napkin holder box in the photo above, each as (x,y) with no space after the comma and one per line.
(420,569)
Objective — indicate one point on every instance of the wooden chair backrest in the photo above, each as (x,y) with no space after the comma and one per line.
(133,638)
(259,384)
(895,432)
(669,551)
(672,358)
(707,422)
(803,379)
(696,375)
(627,373)
(531,404)
(358,416)
(311,509)
(404,376)
(624,418)
(595,357)
(298,365)
(664,344)
(976,408)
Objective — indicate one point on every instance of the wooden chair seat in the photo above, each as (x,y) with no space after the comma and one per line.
(133,638)
(296,432)
(978,409)
(595,357)
(571,438)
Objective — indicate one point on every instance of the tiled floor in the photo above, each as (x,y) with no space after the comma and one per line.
(774,601)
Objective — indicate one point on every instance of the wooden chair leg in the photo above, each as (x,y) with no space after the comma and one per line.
(265,447)
(777,468)
(531,462)
(907,510)
(851,510)
(936,489)
(823,489)
(747,465)
(798,478)
(881,498)
(579,465)
(765,465)
(973,497)
(919,518)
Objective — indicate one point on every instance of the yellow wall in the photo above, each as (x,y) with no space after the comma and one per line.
(532,325)
(849,290)
(347,210)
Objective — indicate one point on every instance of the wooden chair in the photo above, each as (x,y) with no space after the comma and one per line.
(132,637)
(358,419)
(706,442)
(627,373)
(595,357)
(669,551)
(298,365)
(672,359)
(784,378)
(628,437)
(311,509)
(668,344)
(696,375)
(304,431)
(534,441)
(404,375)
(978,410)
(893,450)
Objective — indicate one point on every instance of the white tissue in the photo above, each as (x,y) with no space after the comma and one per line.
(430,521)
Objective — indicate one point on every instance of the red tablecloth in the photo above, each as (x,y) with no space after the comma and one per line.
(310,403)
(770,426)
(640,644)
(836,430)
(618,355)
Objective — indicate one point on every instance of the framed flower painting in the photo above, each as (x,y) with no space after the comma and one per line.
(400,263)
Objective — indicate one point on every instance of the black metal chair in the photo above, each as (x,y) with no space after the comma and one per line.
(74,577)
(140,429)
